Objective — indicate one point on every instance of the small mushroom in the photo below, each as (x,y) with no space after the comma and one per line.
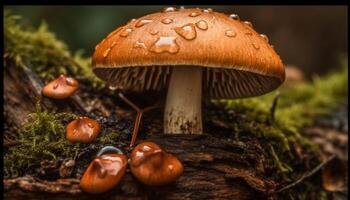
(208,56)
(60,88)
(83,130)
(104,172)
(153,166)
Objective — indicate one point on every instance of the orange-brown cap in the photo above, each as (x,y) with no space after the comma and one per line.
(103,173)
(60,88)
(83,130)
(152,166)
(238,61)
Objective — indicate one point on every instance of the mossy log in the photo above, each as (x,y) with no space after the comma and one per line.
(244,153)
(214,169)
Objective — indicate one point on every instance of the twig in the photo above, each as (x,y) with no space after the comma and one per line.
(312,172)
(273,108)
(138,116)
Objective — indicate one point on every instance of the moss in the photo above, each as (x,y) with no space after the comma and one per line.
(41,51)
(296,108)
(42,137)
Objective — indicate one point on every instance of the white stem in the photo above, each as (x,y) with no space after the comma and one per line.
(183,109)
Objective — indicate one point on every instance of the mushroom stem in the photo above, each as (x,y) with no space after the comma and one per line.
(183,109)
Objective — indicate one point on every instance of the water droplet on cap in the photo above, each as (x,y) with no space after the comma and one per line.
(248,23)
(234,16)
(208,10)
(187,31)
(90,125)
(105,54)
(126,32)
(230,33)
(143,22)
(167,21)
(70,81)
(202,25)
(182,7)
(132,20)
(153,32)
(264,37)
(165,44)
(139,44)
(194,14)
(256,45)
(169,9)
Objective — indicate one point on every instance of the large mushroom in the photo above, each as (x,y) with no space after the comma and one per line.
(189,52)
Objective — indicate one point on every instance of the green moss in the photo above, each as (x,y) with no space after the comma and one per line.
(296,107)
(41,51)
(42,137)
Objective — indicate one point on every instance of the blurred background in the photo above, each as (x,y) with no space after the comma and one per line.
(312,38)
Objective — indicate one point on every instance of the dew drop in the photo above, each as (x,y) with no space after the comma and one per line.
(208,10)
(256,45)
(55,86)
(171,167)
(143,22)
(165,44)
(234,16)
(230,33)
(248,23)
(169,9)
(132,20)
(113,44)
(194,14)
(182,7)
(111,87)
(264,37)
(187,31)
(105,54)
(202,25)
(167,21)
(126,32)
(70,81)
(139,44)
(90,125)
(154,32)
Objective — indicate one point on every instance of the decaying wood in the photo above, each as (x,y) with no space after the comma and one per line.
(214,169)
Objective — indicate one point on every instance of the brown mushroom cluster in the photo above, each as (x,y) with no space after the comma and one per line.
(188,52)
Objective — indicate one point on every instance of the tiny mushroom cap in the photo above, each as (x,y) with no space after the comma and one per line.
(83,130)
(152,166)
(60,88)
(189,52)
(104,173)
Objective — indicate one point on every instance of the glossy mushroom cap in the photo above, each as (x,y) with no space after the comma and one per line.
(83,130)
(236,60)
(152,166)
(103,173)
(60,88)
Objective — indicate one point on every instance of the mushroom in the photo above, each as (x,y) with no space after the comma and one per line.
(83,129)
(153,166)
(189,52)
(104,172)
(60,88)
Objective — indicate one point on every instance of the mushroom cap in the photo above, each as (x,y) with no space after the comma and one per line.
(60,88)
(103,173)
(152,166)
(83,130)
(237,61)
